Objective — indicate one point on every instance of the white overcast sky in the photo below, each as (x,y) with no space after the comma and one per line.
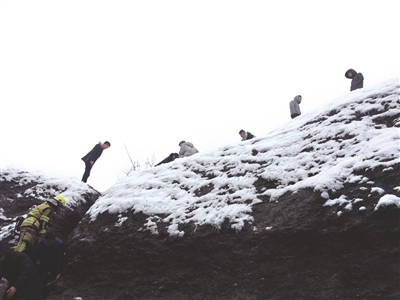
(148,74)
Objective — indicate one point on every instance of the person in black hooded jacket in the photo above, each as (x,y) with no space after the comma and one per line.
(90,158)
(21,273)
(168,159)
(357,79)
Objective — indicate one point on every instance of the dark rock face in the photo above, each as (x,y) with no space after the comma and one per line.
(22,192)
(311,255)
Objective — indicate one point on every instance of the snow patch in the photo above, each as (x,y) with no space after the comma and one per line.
(388,200)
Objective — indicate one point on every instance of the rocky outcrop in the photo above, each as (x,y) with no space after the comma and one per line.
(21,190)
(307,215)
(308,253)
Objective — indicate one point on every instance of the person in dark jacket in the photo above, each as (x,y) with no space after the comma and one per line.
(294,106)
(22,276)
(90,158)
(170,158)
(357,79)
(49,258)
(245,135)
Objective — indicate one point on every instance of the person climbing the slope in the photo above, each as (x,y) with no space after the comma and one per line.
(187,149)
(295,107)
(34,226)
(357,79)
(93,155)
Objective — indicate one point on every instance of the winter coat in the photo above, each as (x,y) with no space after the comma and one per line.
(21,273)
(93,154)
(50,259)
(187,149)
(295,107)
(357,79)
(168,159)
(248,136)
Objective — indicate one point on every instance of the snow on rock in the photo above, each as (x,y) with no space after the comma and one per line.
(388,200)
(323,150)
(21,190)
(44,186)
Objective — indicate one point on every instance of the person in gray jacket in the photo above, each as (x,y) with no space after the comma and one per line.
(294,107)
(187,149)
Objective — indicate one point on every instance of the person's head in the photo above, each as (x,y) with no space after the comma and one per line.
(350,73)
(242,133)
(298,98)
(181,143)
(106,145)
(57,201)
(49,239)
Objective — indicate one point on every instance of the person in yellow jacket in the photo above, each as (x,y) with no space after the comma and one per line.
(34,226)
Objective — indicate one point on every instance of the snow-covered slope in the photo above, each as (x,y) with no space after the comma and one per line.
(20,190)
(323,151)
(309,210)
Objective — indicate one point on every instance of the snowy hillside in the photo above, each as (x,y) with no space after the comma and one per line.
(322,151)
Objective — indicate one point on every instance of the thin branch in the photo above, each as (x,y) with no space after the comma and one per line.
(130,158)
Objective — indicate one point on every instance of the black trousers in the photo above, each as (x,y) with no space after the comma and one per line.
(88,168)
(294,115)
